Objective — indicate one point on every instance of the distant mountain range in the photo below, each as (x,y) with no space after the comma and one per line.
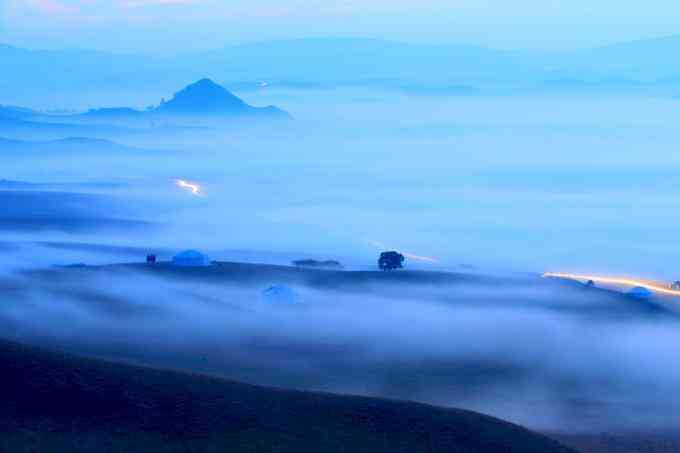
(203,98)
(631,67)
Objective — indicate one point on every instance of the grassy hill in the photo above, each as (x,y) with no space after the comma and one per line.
(55,402)
(601,303)
(487,346)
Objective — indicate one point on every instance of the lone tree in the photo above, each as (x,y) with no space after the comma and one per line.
(391,260)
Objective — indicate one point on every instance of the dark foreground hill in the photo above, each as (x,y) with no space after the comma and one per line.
(54,402)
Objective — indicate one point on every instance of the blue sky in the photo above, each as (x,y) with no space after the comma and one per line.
(171,26)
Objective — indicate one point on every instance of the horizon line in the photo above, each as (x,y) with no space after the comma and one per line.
(162,54)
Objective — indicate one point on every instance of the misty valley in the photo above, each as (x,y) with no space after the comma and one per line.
(202,274)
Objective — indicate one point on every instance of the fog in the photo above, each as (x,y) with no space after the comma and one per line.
(502,187)
(550,356)
(529,184)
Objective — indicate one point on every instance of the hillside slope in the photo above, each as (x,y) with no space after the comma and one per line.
(54,402)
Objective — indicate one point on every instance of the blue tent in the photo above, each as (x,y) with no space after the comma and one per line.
(190,258)
(640,292)
(280,294)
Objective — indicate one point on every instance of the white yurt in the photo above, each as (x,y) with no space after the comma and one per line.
(190,258)
(280,294)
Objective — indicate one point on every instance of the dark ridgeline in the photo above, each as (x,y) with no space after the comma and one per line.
(113,112)
(10,111)
(60,209)
(56,402)
(68,146)
(323,264)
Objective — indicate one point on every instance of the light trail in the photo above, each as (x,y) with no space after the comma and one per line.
(190,186)
(425,259)
(656,287)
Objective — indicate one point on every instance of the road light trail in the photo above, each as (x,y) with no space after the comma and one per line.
(656,287)
(190,186)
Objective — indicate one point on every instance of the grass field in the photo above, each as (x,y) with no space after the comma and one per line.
(58,403)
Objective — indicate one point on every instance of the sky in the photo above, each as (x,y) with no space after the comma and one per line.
(178,26)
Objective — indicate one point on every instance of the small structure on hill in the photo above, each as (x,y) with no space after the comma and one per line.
(641,293)
(280,294)
(151,259)
(327,264)
(391,260)
(190,258)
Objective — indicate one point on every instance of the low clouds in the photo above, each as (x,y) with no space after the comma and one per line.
(550,357)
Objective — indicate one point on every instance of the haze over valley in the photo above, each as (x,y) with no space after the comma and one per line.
(185,235)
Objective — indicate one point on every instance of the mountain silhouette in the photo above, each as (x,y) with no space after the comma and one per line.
(205,97)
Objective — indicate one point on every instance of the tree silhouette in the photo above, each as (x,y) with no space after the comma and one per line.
(391,260)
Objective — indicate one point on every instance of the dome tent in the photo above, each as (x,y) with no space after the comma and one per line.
(279,294)
(640,292)
(190,258)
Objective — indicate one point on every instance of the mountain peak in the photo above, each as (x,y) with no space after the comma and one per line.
(204,96)
(205,83)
